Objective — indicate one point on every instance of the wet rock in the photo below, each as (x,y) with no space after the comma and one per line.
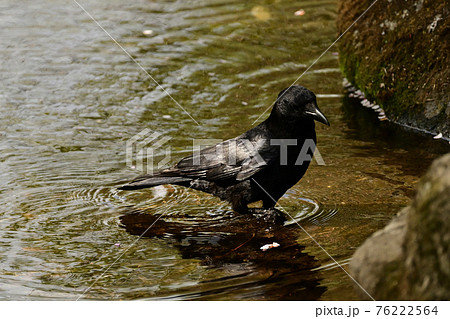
(427,265)
(410,258)
(378,259)
(396,54)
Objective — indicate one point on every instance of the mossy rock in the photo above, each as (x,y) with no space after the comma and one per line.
(397,53)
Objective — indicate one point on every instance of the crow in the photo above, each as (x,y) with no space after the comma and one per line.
(258,165)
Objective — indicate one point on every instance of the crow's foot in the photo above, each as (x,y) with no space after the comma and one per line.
(269,215)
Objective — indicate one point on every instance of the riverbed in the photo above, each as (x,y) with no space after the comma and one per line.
(71,98)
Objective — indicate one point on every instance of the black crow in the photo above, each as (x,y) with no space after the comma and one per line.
(260,164)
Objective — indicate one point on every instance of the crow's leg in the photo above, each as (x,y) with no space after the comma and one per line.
(269,215)
(239,206)
(268,204)
(268,212)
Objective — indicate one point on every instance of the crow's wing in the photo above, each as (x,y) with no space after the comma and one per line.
(233,160)
(228,162)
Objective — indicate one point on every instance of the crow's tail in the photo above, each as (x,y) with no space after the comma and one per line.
(150,180)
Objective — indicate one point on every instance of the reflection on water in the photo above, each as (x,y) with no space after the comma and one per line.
(231,244)
(70,99)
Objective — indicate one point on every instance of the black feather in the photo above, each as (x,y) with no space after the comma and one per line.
(244,169)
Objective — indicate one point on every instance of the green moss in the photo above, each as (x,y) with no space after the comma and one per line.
(394,58)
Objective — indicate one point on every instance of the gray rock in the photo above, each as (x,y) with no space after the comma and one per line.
(427,265)
(410,258)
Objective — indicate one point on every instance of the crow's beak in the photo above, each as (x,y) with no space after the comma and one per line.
(312,111)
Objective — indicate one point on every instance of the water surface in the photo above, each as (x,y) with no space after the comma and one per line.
(70,99)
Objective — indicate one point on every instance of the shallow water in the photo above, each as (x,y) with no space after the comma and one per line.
(71,98)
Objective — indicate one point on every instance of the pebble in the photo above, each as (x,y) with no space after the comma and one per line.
(366,102)
(346,83)
(359,94)
(354,93)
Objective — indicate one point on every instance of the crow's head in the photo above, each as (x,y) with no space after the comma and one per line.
(296,103)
